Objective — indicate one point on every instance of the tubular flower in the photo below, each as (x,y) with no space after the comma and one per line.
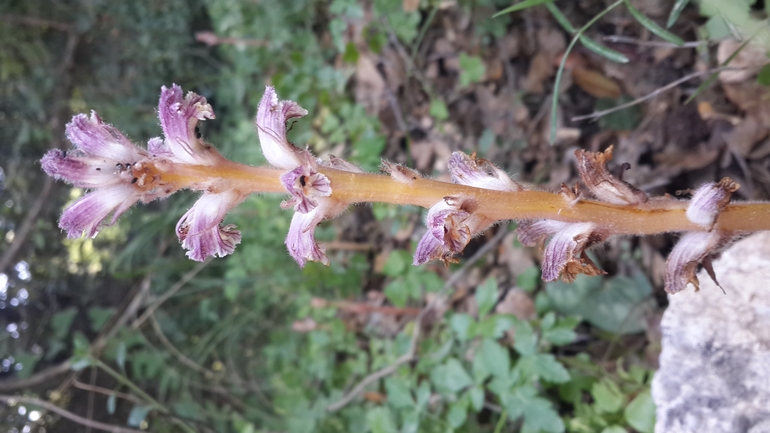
(453,221)
(565,255)
(272,116)
(104,160)
(178,117)
(479,173)
(311,191)
(200,230)
(699,248)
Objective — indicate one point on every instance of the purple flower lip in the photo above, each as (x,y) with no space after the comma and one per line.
(479,173)
(709,200)
(178,118)
(693,249)
(200,230)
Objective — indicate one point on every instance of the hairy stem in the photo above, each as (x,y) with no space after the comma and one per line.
(656,216)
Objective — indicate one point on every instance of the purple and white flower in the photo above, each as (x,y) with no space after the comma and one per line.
(272,116)
(178,118)
(200,229)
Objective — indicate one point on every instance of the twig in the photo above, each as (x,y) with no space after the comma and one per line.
(36,379)
(628,40)
(105,391)
(36,22)
(169,293)
(411,354)
(174,351)
(598,114)
(11,400)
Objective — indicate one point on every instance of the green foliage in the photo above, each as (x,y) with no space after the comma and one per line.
(472,69)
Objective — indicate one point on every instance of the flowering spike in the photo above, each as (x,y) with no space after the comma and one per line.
(200,230)
(272,116)
(709,200)
(592,167)
(178,117)
(479,173)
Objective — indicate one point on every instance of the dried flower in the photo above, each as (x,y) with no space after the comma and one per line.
(693,248)
(592,167)
(451,224)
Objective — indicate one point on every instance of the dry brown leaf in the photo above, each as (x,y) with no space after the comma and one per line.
(411,5)
(595,84)
(518,303)
(746,135)
(369,85)
(751,58)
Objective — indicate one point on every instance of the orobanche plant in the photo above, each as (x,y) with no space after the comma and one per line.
(120,173)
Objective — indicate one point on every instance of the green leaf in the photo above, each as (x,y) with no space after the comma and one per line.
(61,322)
(137,415)
(626,119)
(679,6)
(607,396)
(561,18)
(438,109)
(529,280)
(614,429)
(486,296)
(540,416)
(640,413)
(616,305)
(525,340)
(462,325)
(351,53)
(451,376)
(526,4)
(495,358)
(397,292)
(476,394)
(472,69)
(548,321)
(542,366)
(399,394)
(603,51)
(396,264)
(380,420)
(763,77)
(559,336)
(652,27)
(99,317)
(458,413)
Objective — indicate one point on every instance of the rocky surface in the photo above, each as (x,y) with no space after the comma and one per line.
(715,365)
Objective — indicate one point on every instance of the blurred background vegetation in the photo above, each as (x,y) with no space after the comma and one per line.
(122,329)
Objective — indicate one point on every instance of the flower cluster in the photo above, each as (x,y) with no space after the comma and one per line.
(119,173)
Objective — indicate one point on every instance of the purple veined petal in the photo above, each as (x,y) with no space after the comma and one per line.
(96,138)
(158,148)
(478,173)
(80,170)
(429,248)
(271,127)
(564,247)
(86,214)
(682,264)
(301,238)
(532,232)
(305,184)
(178,117)
(709,200)
(200,231)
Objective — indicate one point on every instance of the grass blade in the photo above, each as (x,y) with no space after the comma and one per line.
(591,44)
(651,26)
(713,77)
(601,50)
(526,4)
(560,71)
(675,12)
